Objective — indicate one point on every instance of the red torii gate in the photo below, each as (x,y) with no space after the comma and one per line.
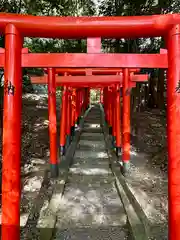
(16,26)
(93,46)
(112,115)
(88,81)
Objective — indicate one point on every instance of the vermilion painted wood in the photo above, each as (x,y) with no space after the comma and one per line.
(163,51)
(95,71)
(52,121)
(110,65)
(110,105)
(83,27)
(74,60)
(118,118)
(69,110)
(94,45)
(114,112)
(11,193)
(73,115)
(107,60)
(126,118)
(63,123)
(23,50)
(173,130)
(101,95)
(89,81)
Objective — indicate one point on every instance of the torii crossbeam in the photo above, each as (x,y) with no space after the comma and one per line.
(90,81)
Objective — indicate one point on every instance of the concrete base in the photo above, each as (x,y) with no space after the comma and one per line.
(54,170)
(110,130)
(88,106)
(68,140)
(78,120)
(113,141)
(62,150)
(118,151)
(126,168)
(72,131)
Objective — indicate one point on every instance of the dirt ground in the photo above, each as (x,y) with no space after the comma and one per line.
(149,136)
(35,140)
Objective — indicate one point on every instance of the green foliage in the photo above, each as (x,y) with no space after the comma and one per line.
(137,7)
(53,8)
(131,8)
(27,86)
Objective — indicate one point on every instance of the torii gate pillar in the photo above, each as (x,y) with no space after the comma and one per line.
(11,193)
(126,123)
(173,131)
(52,121)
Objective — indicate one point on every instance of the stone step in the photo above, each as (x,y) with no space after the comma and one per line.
(90,179)
(93,161)
(87,169)
(90,154)
(95,134)
(84,204)
(91,207)
(91,116)
(96,162)
(92,130)
(90,125)
(95,233)
(92,121)
(97,117)
(103,191)
(92,137)
(69,217)
(86,145)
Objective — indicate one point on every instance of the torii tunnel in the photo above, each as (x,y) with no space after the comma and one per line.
(112,110)
(15,27)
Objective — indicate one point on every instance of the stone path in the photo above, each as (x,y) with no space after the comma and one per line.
(91,207)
